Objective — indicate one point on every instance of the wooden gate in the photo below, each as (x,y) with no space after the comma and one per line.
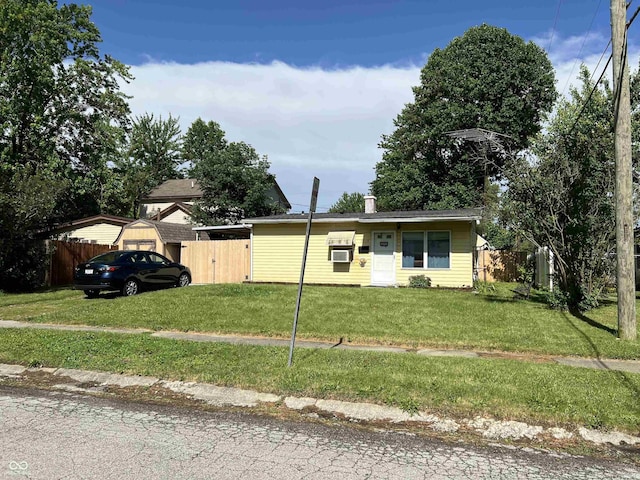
(499,265)
(66,255)
(217,261)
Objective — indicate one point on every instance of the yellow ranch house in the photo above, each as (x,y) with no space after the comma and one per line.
(367,249)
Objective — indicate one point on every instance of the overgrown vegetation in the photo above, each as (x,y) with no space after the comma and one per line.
(563,197)
(61,118)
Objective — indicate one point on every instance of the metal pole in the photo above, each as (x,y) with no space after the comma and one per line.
(625,276)
(312,209)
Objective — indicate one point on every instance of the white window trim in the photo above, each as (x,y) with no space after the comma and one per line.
(425,246)
(426,253)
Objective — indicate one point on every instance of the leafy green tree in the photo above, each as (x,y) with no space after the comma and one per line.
(202,140)
(234,179)
(487,78)
(348,203)
(61,112)
(563,196)
(494,227)
(154,155)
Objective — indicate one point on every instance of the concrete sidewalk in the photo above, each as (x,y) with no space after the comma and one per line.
(631,366)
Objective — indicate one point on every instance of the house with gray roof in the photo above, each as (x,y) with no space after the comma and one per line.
(367,248)
(172,200)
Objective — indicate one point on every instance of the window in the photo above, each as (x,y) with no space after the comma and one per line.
(139,258)
(413,250)
(438,249)
(155,258)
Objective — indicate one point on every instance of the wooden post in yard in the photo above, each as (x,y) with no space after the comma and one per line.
(625,277)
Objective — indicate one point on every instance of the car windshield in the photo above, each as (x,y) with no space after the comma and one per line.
(108,257)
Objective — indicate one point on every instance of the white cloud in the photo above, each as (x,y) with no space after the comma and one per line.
(310,122)
(568,53)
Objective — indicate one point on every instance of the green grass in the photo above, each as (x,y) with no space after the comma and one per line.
(548,393)
(413,317)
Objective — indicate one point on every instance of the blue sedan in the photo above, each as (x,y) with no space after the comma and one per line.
(129,271)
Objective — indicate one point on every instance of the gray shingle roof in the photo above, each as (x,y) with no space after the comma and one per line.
(173,232)
(187,189)
(467,214)
(181,188)
(93,220)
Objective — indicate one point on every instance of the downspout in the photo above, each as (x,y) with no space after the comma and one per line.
(475,268)
(251,255)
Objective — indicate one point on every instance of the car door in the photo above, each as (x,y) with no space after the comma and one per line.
(166,272)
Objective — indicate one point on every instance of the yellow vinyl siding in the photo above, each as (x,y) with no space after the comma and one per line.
(460,273)
(277,254)
(102,233)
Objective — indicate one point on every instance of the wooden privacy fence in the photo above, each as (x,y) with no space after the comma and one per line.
(499,265)
(66,255)
(217,261)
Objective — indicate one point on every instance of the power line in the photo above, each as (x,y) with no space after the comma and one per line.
(582,48)
(595,86)
(555,22)
(601,57)
(584,105)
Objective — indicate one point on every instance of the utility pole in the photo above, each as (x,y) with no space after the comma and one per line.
(625,277)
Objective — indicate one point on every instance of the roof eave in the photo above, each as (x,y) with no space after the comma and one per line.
(418,219)
(367,220)
(303,220)
(240,226)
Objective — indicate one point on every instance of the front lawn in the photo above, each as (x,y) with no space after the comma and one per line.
(412,317)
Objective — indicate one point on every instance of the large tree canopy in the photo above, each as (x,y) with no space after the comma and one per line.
(234,179)
(487,78)
(61,120)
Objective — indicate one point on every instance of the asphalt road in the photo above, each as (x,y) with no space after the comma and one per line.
(65,436)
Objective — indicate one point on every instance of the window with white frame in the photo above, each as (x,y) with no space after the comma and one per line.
(435,246)
(438,250)
(413,250)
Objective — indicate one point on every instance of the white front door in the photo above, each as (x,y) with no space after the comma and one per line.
(383,267)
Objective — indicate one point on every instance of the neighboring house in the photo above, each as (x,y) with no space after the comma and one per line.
(100,229)
(162,237)
(378,249)
(483,244)
(172,200)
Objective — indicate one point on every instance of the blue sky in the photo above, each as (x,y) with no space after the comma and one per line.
(313,85)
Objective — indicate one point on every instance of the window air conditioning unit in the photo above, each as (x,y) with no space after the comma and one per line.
(340,256)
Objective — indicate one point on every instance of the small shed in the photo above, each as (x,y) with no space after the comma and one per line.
(162,237)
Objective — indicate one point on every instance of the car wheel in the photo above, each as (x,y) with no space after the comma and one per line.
(92,293)
(130,287)
(184,280)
